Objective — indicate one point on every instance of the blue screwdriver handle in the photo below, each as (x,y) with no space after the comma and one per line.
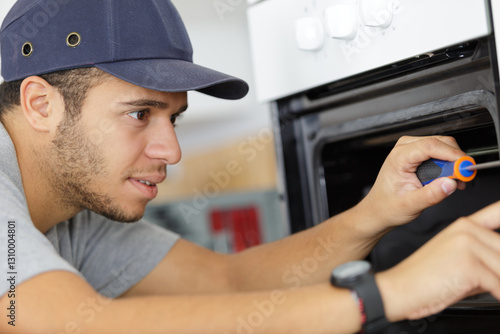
(432,169)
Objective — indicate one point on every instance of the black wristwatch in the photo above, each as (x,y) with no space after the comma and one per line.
(358,277)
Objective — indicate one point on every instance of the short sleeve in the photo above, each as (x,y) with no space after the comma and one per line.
(112,256)
(28,252)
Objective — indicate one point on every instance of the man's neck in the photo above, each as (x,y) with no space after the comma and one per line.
(46,210)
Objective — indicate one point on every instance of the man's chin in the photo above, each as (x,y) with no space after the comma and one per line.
(129,220)
(123,217)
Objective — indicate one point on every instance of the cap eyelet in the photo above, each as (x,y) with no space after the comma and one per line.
(73,40)
(27,49)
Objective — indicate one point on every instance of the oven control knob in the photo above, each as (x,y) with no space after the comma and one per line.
(377,13)
(310,33)
(342,21)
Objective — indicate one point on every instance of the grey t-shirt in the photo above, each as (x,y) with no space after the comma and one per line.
(110,256)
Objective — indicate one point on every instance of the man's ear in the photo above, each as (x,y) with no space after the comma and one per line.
(41,104)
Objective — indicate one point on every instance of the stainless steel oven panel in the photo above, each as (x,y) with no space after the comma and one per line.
(282,68)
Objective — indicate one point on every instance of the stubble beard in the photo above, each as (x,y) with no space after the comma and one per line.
(76,165)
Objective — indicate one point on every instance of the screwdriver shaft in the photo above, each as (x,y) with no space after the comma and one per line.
(485,165)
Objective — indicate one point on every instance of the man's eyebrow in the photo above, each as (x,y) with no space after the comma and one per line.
(146,103)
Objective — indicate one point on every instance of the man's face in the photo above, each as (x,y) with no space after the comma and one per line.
(111,159)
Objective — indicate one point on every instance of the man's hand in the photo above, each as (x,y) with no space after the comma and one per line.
(461,261)
(397,196)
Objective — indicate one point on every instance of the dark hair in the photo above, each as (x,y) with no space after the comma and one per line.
(73,84)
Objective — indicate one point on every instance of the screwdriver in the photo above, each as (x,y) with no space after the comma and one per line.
(463,169)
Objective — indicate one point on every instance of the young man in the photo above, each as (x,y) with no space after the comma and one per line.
(88,112)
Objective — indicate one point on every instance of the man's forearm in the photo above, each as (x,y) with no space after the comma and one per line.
(315,309)
(307,257)
(61,302)
(396,198)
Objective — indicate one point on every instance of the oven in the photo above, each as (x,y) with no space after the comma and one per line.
(347,78)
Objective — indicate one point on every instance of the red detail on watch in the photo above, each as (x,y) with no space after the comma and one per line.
(361,307)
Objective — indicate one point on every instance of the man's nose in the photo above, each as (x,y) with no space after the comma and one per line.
(163,144)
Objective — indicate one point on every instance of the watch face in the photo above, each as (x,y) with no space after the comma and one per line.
(351,270)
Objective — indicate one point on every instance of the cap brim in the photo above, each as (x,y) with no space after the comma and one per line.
(173,75)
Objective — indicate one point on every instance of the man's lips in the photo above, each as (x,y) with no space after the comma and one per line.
(152,180)
(148,184)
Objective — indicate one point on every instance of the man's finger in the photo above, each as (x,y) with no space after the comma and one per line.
(488,252)
(437,149)
(411,139)
(488,217)
(433,193)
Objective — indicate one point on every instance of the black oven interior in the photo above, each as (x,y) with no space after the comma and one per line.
(350,167)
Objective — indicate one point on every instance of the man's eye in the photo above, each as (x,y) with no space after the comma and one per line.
(139,115)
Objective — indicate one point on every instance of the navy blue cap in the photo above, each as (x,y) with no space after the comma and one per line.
(143,42)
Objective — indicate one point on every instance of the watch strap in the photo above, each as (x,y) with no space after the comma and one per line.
(372,307)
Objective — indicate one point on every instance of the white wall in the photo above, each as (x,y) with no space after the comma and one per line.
(220,40)
(5,7)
